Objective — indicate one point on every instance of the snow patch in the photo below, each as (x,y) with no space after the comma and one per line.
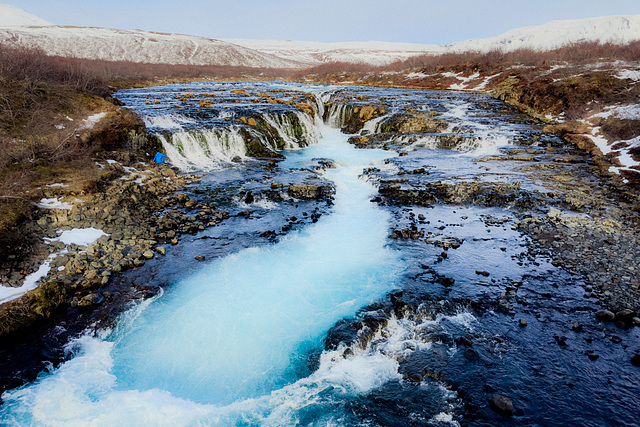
(30,282)
(79,236)
(628,112)
(53,204)
(91,121)
(629,74)
(415,75)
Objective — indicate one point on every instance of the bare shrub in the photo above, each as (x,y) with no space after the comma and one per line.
(620,129)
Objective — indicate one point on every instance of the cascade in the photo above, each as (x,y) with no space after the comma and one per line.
(371,126)
(203,148)
(295,129)
(206,149)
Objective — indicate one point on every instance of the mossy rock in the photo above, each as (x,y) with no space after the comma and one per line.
(35,306)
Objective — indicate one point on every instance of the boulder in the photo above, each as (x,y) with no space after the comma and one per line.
(605,316)
(625,316)
(501,404)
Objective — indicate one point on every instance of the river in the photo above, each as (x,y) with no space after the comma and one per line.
(331,321)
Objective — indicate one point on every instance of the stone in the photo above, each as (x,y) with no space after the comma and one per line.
(553,213)
(161,250)
(523,323)
(200,258)
(447,281)
(605,316)
(625,316)
(635,360)
(636,321)
(91,299)
(501,404)
(576,327)
(304,191)
(471,355)
(148,254)
(483,273)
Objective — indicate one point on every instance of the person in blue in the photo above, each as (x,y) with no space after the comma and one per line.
(160,158)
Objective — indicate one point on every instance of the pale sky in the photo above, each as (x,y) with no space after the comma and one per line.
(414,21)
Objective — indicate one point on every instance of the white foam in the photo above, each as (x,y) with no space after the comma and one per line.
(203,149)
(167,121)
(371,126)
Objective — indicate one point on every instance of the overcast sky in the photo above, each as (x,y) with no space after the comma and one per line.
(415,21)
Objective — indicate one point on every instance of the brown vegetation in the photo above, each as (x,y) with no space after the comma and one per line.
(495,60)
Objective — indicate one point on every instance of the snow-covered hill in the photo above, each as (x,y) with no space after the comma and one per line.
(616,29)
(11,16)
(139,46)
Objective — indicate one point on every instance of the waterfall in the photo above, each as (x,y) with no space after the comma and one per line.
(295,129)
(203,149)
(372,125)
(207,149)
(167,121)
(338,115)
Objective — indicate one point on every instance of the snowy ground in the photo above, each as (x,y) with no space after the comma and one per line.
(82,237)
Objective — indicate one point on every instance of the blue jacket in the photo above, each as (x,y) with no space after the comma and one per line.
(159,158)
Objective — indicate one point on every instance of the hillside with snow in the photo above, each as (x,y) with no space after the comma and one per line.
(617,29)
(139,46)
(11,16)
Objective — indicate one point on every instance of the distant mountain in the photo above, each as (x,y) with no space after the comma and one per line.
(617,29)
(372,53)
(11,16)
(18,27)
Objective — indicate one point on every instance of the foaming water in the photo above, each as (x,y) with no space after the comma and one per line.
(203,149)
(167,121)
(229,344)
